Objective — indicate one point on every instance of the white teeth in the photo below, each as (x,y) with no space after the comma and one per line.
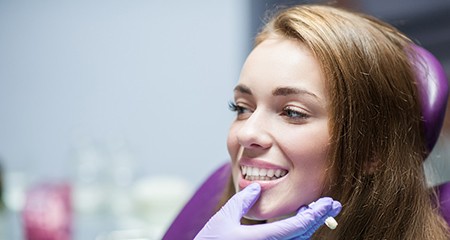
(254,172)
(262,174)
(259,178)
(270,173)
(278,173)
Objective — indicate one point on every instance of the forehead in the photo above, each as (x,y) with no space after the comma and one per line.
(280,62)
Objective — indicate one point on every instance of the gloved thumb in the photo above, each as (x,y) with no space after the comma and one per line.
(301,226)
(241,202)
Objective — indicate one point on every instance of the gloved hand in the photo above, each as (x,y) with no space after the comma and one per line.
(225,224)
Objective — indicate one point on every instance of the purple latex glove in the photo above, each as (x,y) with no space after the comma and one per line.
(225,224)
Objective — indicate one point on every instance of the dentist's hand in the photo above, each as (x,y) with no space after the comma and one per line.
(225,224)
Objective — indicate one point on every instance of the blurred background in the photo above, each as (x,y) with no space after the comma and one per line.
(116,110)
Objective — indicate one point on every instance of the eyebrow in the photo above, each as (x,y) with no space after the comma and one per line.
(280,91)
(243,89)
(286,91)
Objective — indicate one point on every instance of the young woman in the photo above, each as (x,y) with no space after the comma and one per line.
(327,106)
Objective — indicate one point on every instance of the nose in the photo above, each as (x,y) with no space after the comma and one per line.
(254,132)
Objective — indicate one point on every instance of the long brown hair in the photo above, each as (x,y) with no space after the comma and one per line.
(377,140)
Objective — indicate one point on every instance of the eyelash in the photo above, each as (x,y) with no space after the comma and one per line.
(287,111)
(236,108)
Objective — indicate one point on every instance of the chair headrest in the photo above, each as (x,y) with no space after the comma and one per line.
(443,191)
(433,90)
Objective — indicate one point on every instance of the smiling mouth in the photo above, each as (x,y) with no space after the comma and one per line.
(262,174)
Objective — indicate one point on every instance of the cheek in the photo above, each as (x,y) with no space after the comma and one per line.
(233,150)
(309,157)
(232,143)
(306,148)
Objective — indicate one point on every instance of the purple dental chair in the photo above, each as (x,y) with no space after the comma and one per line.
(433,86)
(434,94)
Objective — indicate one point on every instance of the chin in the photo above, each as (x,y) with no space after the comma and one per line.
(262,214)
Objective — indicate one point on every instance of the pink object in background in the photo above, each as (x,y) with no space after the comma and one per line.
(47,214)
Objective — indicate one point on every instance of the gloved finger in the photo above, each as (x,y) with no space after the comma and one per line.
(308,234)
(241,202)
(335,209)
(303,224)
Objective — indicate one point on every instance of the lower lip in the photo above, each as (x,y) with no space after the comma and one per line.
(265,185)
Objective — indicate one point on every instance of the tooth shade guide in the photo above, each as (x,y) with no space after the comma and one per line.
(331,223)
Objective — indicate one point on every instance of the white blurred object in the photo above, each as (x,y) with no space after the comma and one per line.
(15,187)
(89,181)
(121,162)
(158,199)
(88,199)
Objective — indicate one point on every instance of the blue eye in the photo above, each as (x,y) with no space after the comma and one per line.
(294,114)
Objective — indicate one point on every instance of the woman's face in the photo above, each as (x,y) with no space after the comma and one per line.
(280,137)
